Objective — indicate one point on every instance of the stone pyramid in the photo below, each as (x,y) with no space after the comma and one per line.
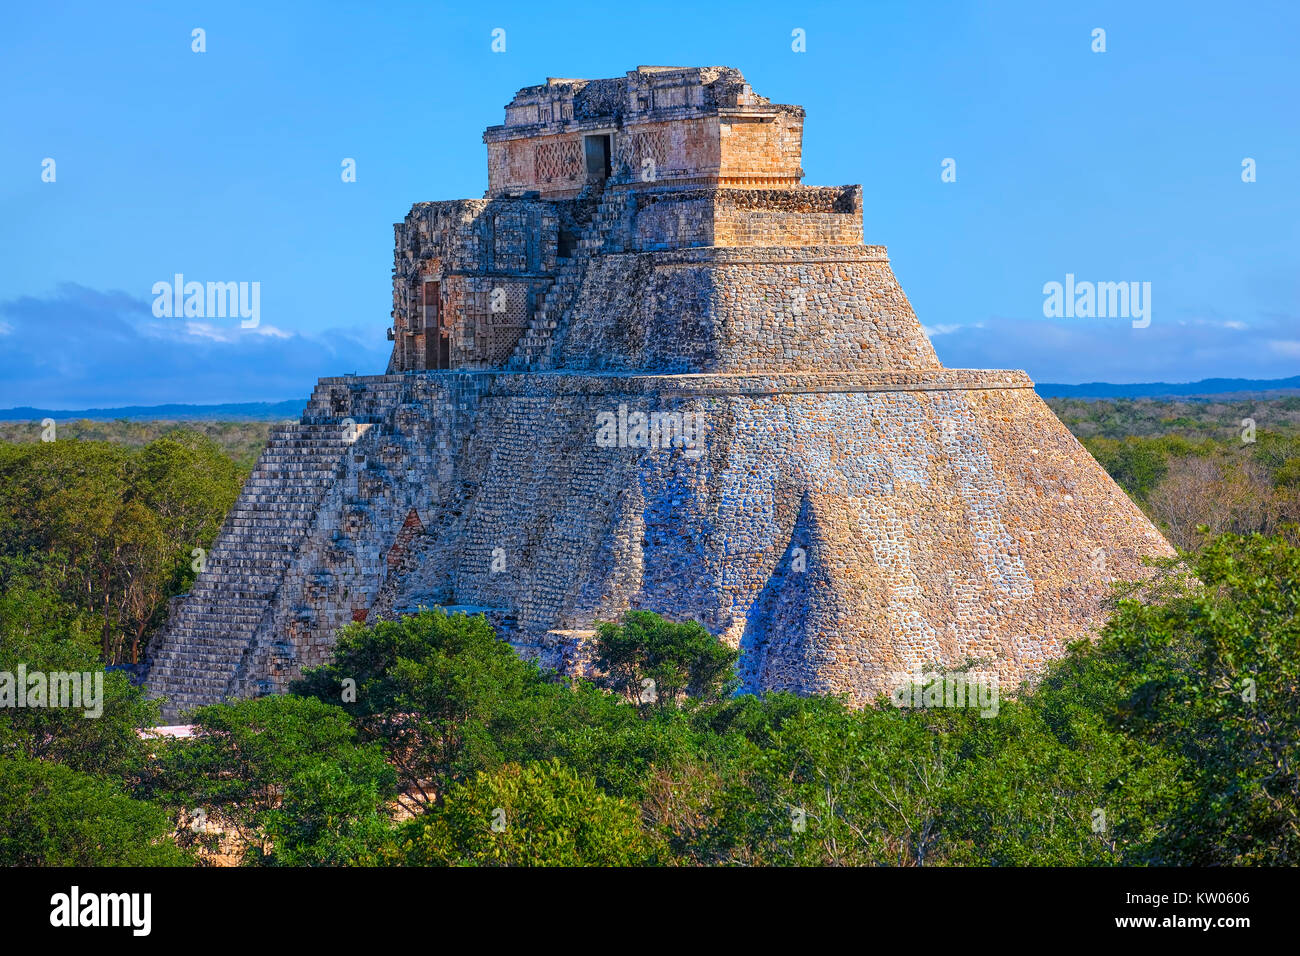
(651,369)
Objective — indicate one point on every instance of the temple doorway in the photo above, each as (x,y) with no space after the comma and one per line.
(596,149)
(437,353)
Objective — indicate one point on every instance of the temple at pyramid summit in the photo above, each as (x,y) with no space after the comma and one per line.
(651,369)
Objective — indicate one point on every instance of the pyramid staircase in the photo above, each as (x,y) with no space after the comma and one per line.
(367,399)
(204,643)
(606,233)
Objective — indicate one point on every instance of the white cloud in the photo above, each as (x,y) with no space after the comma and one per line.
(1288,347)
(129,357)
(203,330)
(231,333)
(1112,351)
(270,330)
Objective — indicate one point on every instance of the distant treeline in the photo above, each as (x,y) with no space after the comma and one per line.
(240,440)
(1218,466)
(1213,389)
(100,534)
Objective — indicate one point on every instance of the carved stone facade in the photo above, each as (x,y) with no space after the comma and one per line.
(697,393)
(664,125)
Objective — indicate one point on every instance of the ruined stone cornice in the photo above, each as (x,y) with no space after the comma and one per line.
(562,382)
(596,382)
(762,255)
(504,132)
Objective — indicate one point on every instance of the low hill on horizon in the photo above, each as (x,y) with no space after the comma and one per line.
(1205,388)
(228,411)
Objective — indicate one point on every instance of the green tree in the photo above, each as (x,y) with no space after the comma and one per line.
(330,815)
(1136,464)
(1036,783)
(1207,668)
(439,692)
(541,814)
(828,786)
(654,661)
(111,529)
(287,773)
(40,632)
(446,699)
(52,815)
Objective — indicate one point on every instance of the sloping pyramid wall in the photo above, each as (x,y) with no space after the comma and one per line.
(852,509)
(941,517)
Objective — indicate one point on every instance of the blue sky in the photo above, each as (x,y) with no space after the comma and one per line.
(225,165)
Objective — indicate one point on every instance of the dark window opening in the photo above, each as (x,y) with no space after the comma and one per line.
(596,149)
(568,243)
(429,305)
(431,325)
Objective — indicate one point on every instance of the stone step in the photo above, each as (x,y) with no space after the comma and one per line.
(206,641)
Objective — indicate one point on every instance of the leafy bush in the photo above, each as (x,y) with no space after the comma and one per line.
(52,815)
(658,662)
(111,530)
(287,773)
(541,814)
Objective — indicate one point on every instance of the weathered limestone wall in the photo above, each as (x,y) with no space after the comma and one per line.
(552,164)
(733,226)
(735,310)
(492,261)
(198,657)
(761,150)
(838,528)
(942,516)
(397,474)
(732,150)
(804,216)
(668,150)
(315,534)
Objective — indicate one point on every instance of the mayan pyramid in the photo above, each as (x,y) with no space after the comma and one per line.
(651,369)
